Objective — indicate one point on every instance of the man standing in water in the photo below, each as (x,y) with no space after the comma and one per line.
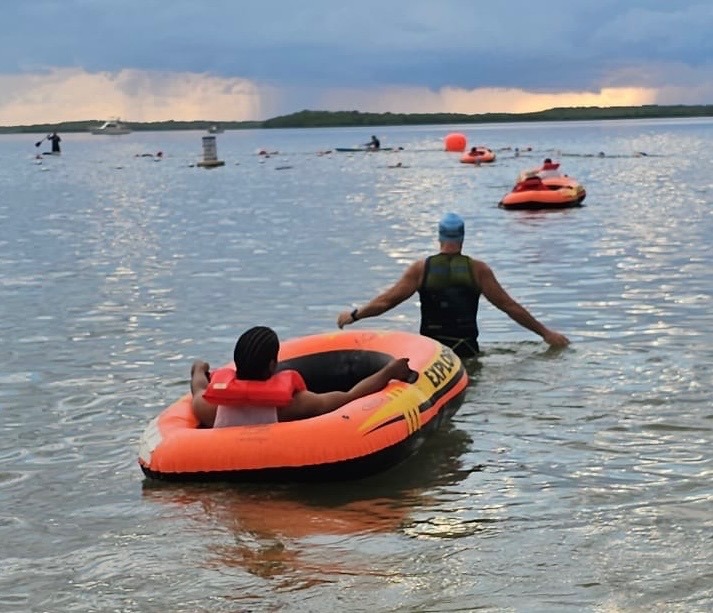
(55,140)
(449,285)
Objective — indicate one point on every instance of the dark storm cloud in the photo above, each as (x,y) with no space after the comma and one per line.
(546,46)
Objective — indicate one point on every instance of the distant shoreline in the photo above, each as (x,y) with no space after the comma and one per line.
(344,119)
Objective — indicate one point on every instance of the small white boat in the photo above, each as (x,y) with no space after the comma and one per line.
(215,130)
(113,126)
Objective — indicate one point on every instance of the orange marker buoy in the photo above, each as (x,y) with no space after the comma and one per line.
(455,142)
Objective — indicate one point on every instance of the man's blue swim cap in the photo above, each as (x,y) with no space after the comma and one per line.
(451,228)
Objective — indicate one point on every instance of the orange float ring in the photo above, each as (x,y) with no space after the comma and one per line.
(363,437)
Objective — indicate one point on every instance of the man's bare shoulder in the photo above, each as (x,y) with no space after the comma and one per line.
(417,265)
(414,273)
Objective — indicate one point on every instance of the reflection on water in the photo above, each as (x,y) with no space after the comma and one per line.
(272,529)
(576,479)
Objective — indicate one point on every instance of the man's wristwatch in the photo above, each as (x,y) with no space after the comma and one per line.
(355,314)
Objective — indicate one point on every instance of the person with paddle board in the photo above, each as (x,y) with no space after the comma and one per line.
(54,139)
(374,143)
(449,285)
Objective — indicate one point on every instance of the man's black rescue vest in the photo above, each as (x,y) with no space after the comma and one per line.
(449,298)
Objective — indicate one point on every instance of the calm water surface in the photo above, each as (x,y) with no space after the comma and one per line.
(571,480)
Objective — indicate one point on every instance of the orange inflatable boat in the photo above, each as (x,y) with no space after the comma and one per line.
(482,155)
(361,438)
(535,193)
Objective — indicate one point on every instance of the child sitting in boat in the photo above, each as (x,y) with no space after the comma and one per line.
(549,169)
(255,394)
(531,181)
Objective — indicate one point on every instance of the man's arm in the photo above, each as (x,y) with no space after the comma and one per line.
(499,298)
(309,404)
(403,289)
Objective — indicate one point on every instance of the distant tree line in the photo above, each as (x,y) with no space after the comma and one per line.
(329,119)
(335,119)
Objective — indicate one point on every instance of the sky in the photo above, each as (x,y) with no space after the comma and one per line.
(238,60)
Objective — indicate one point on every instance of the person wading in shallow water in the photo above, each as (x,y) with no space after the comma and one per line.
(255,357)
(55,140)
(449,286)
